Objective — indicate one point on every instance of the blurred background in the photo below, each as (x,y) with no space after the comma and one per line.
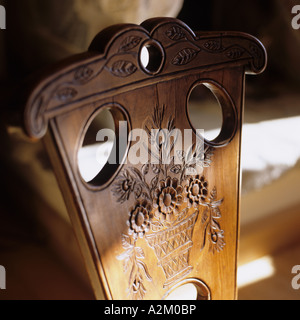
(37,244)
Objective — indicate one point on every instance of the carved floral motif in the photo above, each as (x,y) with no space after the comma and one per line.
(140,219)
(168,202)
(196,190)
(167,199)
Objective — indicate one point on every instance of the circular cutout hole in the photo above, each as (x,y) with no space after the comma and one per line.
(189,289)
(151,57)
(205,112)
(145,57)
(98,156)
(185,292)
(211,109)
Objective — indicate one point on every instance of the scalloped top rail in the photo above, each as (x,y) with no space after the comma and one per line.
(113,65)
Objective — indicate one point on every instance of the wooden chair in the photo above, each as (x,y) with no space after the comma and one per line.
(147,229)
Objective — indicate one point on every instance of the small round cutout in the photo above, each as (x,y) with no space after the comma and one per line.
(211,109)
(185,292)
(189,289)
(151,57)
(99,156)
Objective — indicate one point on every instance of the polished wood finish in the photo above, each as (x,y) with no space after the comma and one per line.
(144,229)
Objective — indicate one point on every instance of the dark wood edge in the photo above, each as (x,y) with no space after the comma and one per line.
(80,223)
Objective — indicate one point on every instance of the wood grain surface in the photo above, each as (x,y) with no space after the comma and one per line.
(144,228)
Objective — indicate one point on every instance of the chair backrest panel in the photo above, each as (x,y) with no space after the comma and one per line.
(147,228)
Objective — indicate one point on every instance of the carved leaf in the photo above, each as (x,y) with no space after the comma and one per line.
(143,266)
(176,33)
(234,53)
(126,242)
(205,215)
(213,45)
(189,158)
(258,55)
(171,125)
(123,68)
(216,204)
(176,169)
(137,173)
(181,155)
(83,75)
(154,182)
(184,56)
(208,157)
(214,225)
(145,196)
(172,161)
(130,43)
(213,194)
(148,130)
(216,213)
(145,169)
(139,253)
(134,274)
(156,226)
(66,94)
(125,258)
(126,263)
(255,51)
(138,191)
(155,168)
(158,116)
(198,153)
(204,237)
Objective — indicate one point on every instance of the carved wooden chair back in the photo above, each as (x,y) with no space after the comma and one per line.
(149,226)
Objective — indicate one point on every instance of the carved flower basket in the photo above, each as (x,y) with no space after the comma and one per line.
(172,248)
